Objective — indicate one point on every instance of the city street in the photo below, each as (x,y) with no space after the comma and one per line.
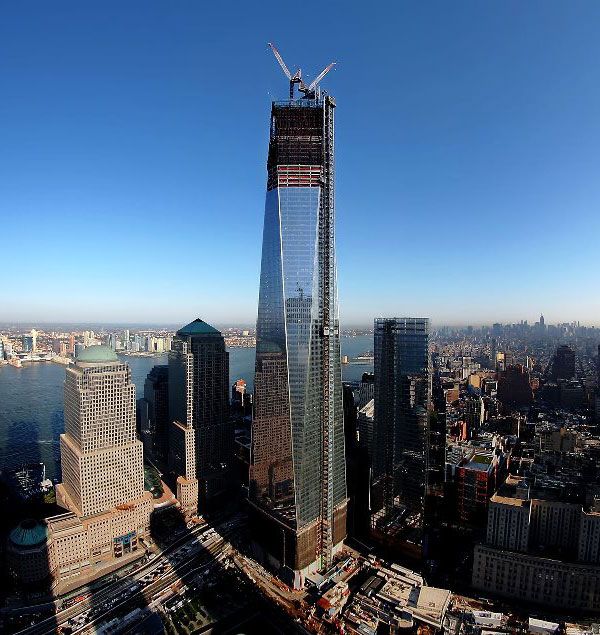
(186,556)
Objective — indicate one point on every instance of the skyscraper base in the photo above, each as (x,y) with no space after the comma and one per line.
(292,554)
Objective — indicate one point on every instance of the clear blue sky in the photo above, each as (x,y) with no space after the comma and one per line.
(133,139)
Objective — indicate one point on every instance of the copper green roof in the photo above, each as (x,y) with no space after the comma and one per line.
(29,533)
(97,354)
(198,327)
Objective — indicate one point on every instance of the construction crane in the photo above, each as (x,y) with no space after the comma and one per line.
(296,78)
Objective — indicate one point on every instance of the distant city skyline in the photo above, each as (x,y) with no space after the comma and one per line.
(174,326)
(466,169)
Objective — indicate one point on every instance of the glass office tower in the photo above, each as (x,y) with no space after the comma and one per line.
(402,404)
(297,474)
(198,394)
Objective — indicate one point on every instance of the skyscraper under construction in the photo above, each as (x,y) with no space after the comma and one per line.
(297,474)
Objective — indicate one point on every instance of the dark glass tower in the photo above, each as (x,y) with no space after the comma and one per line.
(156,394)
(563,364)
(199,397)
(402,404)
(297,474)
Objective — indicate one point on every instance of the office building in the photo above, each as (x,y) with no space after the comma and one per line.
(572,394)
(563,363)
(474,415)
(103,480)
(358,472)
(241,399)
(556,439)
(514,387)
(27,553)
(366,389)
(297,473)
(156,396)
(182,463)
(27,343)
(199,397)
(402,404)
(366,427)
(542,546)
(89,338)
(436,450)
(101,457)
(475,478)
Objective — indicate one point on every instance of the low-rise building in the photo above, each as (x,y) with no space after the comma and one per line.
(530,578)
(397,597)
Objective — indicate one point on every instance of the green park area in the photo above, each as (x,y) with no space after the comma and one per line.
(152,482)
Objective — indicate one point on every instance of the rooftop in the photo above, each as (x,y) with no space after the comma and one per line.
(97,354)
(198,327)
(29,533)
(480,462)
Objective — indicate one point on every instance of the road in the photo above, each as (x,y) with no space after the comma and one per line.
(184,556)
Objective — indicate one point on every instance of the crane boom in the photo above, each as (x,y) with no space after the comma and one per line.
(281,62)
(319,77)
(296,78)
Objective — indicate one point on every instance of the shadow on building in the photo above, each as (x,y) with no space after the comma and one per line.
(178,556)
(195,580)
(25,566)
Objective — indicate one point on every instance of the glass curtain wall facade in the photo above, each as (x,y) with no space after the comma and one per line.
(198,395)
(156,394)
(297,474)
(402,405)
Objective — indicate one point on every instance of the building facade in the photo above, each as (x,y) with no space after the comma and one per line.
(476,478)
(199,397)
(27,553)
(366,428)
(297,473)
(101,457)
(182,462)
(540,547)
(103,474)
(563,363)
(402,404)
(156,395)
(530,578)
(27,343)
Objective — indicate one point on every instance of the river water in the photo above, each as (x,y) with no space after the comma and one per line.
(31,400)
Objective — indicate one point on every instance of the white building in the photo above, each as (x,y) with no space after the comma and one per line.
(103,472)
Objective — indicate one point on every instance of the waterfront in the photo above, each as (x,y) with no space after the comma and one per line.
(31,400)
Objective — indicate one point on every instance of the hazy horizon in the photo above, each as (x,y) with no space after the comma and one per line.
(247,325)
